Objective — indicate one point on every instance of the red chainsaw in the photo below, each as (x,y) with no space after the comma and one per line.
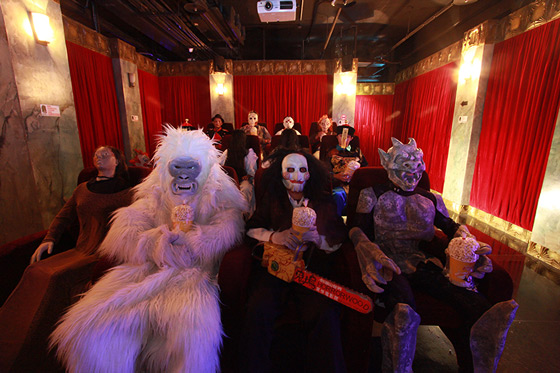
(288,265)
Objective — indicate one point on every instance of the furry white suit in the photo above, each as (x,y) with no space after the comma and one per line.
(158,311)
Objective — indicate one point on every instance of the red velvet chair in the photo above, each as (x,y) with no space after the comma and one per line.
(497,286)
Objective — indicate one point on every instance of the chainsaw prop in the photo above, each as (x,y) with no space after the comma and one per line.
(289,266)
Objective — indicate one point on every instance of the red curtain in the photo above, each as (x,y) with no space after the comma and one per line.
(372,121)
(185,97)
(302,97)
(423,110)
(95,98)
(151,109)
(520,110)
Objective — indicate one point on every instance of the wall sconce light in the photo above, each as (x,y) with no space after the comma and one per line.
(471,67)
(131,80)
(42,29)
(345,87)
(220,89)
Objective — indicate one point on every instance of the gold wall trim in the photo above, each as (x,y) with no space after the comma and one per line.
(544,255)
(146,64)
(533,15)
(198,68)
(375,89)
(122,50)
(79,34)
(284,67)
(436,60)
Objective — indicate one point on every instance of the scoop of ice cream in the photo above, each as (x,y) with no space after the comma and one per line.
(463,249)
(304,217)
(182,213)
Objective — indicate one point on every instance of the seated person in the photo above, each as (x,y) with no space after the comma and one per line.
(288,140)
(253,128)
(293,180)
(288,123)
(322,127)
(244,162)
(391,222)
(343,161)
(92,204)
(215,131)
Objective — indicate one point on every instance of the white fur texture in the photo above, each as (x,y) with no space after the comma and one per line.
(159,310)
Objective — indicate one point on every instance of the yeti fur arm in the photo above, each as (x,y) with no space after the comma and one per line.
(141,232)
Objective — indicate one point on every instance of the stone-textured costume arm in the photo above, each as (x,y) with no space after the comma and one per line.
(377,268)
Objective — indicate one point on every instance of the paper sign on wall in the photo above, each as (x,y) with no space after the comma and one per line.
(50,110)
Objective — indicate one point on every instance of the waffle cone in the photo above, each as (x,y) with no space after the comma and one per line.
(300,230)
(459,271)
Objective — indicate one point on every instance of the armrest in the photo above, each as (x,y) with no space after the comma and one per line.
(14,258)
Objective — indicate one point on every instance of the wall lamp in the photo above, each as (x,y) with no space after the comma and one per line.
(131,79)
(220,89)
(42,30)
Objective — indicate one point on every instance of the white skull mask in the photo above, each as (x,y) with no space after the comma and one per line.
(288,122)
(295,172)
(253,119)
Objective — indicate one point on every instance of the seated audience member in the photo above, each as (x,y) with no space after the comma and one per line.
(253,128)
(244,162)
(392,220)
(92,204)
(344,160)
(215,131)
(322,127)
(288,140)
(293,180)
(288,123)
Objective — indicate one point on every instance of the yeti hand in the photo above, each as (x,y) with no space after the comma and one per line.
(45,246)
(171,250)
(376,267)
(312,236)
(286,238)
(484,264)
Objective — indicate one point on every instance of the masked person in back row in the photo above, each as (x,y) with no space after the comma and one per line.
(344,159)
(392,222)
(253,128)
(288,123)
(293,180)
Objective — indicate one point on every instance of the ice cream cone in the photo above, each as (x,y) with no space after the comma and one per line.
(182,217)
(462,258)
(303,218)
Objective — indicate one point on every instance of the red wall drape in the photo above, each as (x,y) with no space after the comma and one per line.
(95,98)
(372,121)
(303,97)
(520,110)
(185,97)
(424,109)
(151,109)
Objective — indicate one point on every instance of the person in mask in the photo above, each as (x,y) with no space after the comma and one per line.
(294,179)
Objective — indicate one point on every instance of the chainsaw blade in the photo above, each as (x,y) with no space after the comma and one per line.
(350,298)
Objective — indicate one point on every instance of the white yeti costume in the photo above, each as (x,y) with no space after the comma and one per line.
(159,310)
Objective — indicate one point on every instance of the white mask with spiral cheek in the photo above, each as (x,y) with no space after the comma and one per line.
(295,172)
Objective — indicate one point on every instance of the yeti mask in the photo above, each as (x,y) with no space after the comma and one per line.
(184,171)
(182,162)
(288,122)
(295,172)
(404,164)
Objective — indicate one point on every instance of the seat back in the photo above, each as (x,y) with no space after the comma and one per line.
(252,143)
(231,173)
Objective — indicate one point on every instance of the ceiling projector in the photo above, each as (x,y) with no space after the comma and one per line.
(277,10)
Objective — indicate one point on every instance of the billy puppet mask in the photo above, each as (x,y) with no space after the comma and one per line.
(295,172)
